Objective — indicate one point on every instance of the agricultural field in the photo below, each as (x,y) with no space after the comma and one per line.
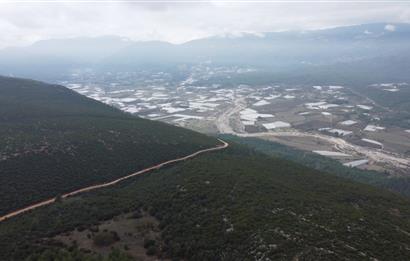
(351,124)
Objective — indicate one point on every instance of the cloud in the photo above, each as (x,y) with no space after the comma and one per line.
(390,27)
(24,23)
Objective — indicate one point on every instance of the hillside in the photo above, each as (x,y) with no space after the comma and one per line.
(229,205)
(54,141)
(399,184)
(234,204)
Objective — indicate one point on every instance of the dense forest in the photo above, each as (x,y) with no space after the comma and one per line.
(54,141)
(236,204)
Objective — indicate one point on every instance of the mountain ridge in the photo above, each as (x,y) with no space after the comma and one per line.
(57,139)
(274,51)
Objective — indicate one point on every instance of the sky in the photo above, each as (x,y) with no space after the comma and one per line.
(26,21)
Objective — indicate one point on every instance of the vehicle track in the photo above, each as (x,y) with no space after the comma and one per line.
(103,185)
(223,121)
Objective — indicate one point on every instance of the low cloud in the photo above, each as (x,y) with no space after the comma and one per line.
(22,24)
(390,28)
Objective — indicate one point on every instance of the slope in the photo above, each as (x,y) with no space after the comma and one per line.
(331,166)
(234,204)
(54,141)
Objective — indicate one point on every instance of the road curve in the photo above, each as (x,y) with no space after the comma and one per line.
(103,185)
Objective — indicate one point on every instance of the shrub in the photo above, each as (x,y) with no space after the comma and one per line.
(151,250)
(105,238)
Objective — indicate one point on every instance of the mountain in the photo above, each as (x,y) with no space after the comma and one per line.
(231,204)
(281,51)
(55,141)
(291,54)
(57,57)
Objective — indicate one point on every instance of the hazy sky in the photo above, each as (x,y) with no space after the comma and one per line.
(24,23)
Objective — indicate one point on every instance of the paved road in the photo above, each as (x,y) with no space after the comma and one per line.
(103,185)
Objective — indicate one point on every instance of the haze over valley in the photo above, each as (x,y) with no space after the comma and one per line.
(323,119)
(157,131)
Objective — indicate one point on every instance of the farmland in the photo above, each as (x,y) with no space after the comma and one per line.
(341,122)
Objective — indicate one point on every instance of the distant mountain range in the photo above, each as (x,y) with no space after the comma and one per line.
(359,51)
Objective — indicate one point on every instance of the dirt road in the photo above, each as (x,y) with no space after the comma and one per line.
(223,121)
(103,185)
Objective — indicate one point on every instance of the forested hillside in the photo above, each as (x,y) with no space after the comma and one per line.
(230,205)
(53,140)
(399,184)
(234,204)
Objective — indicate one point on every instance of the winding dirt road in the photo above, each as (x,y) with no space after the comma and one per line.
(103,185)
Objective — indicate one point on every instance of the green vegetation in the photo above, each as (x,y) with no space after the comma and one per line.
(105,238)
(397,102)
(75,255)
(235,204)
(325,164)
(54,141)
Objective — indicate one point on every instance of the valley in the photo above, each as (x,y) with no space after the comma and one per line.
(332,120)
(238,201)
(145,131)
